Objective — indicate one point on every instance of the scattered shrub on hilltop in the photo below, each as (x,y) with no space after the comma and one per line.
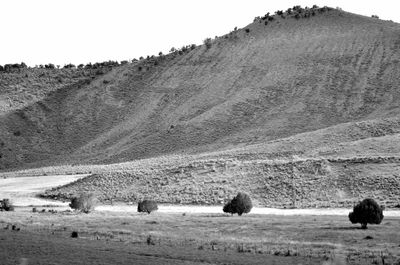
(85,202)
(366,212)
(6,205)
(240,204)
(207,43)
(68,66)
(375,16)
(147,206)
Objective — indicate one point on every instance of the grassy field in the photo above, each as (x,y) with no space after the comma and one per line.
(199,238)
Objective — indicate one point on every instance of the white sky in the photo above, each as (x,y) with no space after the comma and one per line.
(82,31)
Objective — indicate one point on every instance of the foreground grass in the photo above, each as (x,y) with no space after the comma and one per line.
(234,240)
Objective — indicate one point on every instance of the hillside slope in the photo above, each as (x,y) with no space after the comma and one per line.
(252,86)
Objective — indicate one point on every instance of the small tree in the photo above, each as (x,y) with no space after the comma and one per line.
(85,202)
(207,43)
(6,205)
(147,206)
(366,212)
(240,204)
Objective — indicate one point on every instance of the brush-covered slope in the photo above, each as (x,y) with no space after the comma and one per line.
(252,87)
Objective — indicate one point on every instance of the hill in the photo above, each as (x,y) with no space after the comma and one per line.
(317,85)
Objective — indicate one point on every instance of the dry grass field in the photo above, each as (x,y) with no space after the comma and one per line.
(116,238)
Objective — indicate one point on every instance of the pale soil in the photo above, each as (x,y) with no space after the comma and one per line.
(22,191)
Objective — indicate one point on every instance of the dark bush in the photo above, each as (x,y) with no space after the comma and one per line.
(240,204)
(6,205)
(207,43)
(147,206)
(375,16)
(150,240)
(50,66)
(68,66)
(74,234)
(366,212)
(85,202)
(247,30)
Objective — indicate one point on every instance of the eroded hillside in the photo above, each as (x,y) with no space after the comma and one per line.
(255,85)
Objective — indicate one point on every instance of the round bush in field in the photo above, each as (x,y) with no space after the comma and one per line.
(85,202)
(147,206)
(6,205)
(240,204)
(366,212)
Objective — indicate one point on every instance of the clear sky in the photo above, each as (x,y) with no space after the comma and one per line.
(82,31)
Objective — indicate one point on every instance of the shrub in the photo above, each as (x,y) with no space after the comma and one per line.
(247,30)
(6,205)
(85,202)
(375,16)
(207,43)
(366,212)
(147,206)
(240,204)
(68,66)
